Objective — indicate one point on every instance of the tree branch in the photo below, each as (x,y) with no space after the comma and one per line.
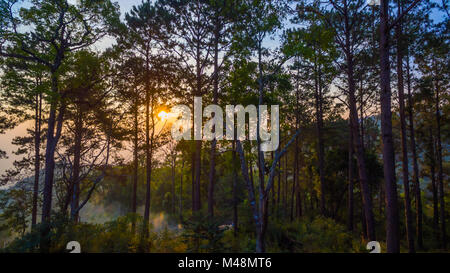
(399,18)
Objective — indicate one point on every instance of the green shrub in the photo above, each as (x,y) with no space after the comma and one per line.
(317,236)
(202,234)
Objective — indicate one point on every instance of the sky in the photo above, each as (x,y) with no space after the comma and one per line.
(125,5)
(5,140)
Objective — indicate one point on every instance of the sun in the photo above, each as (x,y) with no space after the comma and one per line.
(163,115)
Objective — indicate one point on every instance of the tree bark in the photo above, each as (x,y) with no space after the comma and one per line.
(350,182)
(193,176)
(294,185)
(135,164)
(319,128)
(74,215)
(417,190)
(359,149)
(359,152)
(148,167)
(263,200)
(181,192)
(392,215)
(285,186)
(198,143)
(405,172)
(54,127)
(149,135)
(234,189)
(361,116)
(440,172)
(279,187)
(434,186)
(212,170)
(299,209)
(251,197)
(363,217)
(173,183)
(37,157)
(272,192)
(197,200)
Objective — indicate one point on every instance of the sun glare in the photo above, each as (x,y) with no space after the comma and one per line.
(163,115)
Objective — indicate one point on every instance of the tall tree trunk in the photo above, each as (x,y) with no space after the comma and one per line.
(272,191)
(263,201)
(251,197)
(434,186)
(392,215)
(173,183)
(193,176)
(312,191)
(234,189)
(363,217)
(148,147)
(212,170)
(381,201)
(361,115)
(298,197)
(54,127)
(212,174)
(135,163)
(417,190)
(296,149)
(362,169)
(181,192)
(405,172)
(148,168)
(198,143)
(359,151)
(278,189)
(285,186)
(350,182)
(319,127)
(260,209)
(261,236)
(294,185)
(197,198)
(74,212)
(37,157)
(251,171)
(440,172)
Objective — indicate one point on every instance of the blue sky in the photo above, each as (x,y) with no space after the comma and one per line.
(125,5)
